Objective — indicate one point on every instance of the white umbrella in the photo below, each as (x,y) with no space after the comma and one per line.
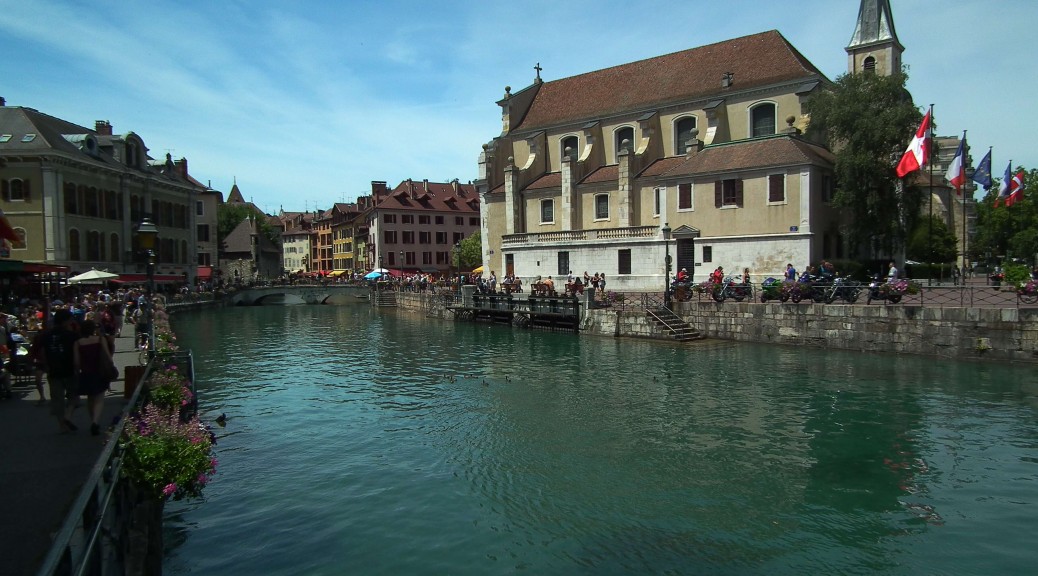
(380,271)
(94,276)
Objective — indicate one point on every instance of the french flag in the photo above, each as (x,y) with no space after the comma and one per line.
(957,170)
(918,150)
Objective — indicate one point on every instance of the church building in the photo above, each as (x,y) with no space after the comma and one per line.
(698,154)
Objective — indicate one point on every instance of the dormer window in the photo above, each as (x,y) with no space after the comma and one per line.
(683,132)
(762,120)
(624,139)
(568,148)
(28,138)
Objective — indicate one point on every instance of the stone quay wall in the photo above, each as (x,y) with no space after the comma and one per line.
(989,334)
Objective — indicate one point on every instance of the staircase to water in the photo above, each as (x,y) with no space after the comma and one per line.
(678,328)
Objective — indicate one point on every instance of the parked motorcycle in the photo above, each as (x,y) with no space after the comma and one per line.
(891,292)
(732,287)
(771,289)
(842,288)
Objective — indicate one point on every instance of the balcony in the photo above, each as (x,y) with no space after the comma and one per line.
(571,236)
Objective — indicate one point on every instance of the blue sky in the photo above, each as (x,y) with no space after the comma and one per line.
(306,102)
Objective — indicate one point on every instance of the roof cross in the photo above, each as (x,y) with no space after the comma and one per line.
(538,69)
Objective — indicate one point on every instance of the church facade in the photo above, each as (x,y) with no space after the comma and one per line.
(594,172)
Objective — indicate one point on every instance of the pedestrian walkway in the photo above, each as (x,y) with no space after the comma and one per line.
(42,471)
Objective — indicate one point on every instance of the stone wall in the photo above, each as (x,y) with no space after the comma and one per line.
(999,334)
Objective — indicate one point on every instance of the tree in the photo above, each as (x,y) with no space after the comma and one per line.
(868,120)
(229,216)
(1010,231)
(471,251)
(943,242)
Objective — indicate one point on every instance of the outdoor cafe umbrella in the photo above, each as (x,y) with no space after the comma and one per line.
(478,270)
(375,274)
(94,276)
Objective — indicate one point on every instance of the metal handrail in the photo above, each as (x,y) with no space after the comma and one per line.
(79,546)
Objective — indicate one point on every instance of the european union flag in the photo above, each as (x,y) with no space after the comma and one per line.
(982,175)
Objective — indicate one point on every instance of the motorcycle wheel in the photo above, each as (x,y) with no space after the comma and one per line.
(796,298)
(739,296)
(852,296)
(784,297)
(763,299)
(868,299)
(718,295)
(830,299)
(894,298)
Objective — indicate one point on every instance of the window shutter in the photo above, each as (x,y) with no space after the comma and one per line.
(684,196)
(718,192)
(776,192)
(738,193)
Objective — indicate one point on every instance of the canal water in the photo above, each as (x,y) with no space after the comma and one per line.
(360,442)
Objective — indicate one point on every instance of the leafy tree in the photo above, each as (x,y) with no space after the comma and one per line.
(229,216)
(471,251)
(867,120)
(1007,231)
(944,242)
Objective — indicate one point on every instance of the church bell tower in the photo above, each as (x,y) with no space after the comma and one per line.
(874,46)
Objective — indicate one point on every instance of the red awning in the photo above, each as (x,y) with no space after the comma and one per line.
(33,267)
(204,272)
(143,278)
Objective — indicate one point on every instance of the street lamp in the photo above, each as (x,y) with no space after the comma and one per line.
(666,270)
(457,251)
(147,234)
(401,263)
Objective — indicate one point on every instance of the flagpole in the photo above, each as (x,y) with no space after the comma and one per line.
(965,189)
(929,281)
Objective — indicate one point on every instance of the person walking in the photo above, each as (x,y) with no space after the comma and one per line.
(59,364)
(91,356)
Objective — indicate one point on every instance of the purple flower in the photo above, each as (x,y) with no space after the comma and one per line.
(169,489)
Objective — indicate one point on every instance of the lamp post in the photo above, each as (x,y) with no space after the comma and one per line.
(666,269)
(457,252)
(147,234)
(401,263)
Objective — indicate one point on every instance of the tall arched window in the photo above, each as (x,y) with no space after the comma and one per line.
(683,129)
(869,65)
(762,120)
(625,134)
(114,249)
(73,245)
(71,206)
(93,246)
(183,252)
(568,147)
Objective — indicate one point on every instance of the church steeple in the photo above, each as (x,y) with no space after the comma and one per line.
(874,46)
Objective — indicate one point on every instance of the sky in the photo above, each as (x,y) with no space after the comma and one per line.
(304,103)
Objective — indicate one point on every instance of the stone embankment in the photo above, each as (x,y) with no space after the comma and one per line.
(999,334)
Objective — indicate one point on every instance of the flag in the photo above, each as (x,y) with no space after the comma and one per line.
(982,175)
(1003,186)
(1016,189)
(956,171)
(918,150)
(6,231)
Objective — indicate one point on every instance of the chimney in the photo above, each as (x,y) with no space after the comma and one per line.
(425,185)
(726,79)
(103,127)
(454,184)
(182,167)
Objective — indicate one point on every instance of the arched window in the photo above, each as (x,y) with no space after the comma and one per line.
(568,147)
(625,134)
(762,120)
(114,249)
(683,129)
(16,190)
(135,209)
(869,65)
(73,245)
(93,246)
(93,202)
(20,244)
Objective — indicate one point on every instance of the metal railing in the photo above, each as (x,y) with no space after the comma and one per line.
(93,538)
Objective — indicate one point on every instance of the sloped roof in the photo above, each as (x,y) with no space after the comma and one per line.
(757,60)
(234,196)
(661,166)
(608,173)
(549,180)
(411,195)
(752,154)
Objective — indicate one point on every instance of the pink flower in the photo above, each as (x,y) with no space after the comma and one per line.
(169,489)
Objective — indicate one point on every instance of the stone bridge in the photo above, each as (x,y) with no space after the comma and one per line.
(336,294)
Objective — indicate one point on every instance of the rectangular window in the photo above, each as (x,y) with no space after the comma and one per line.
(459,220)
(563,264)
(407,219)
(389,236)
(777,188)
(623,264)
(656,193)
(439,220)
(426,258)
(441,237)
(425,237)
(708,253)
(408,237)
(474,221)
(199,208)
(827,187)
(441,258)
(423,219)
(389,218)
(547,211)
(203,232)
(204,259)
(602,207)
(458,237)
(728,193)
(685,196)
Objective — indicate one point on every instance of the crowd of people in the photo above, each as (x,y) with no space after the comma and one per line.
(70,340)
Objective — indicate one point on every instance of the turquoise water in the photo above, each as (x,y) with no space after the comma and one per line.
(360,442)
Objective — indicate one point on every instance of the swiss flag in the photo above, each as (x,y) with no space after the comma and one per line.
(918,150)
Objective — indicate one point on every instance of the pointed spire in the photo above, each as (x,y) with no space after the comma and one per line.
(874,46)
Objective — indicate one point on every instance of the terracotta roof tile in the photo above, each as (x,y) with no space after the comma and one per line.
(661,166)
(549,180)
(757,60)
(610,173)
(440,197)
(753,154)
